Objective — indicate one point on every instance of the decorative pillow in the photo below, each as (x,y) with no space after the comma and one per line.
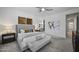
(26,31)
(22,31)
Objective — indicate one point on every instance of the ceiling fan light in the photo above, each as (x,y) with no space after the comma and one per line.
(43,9)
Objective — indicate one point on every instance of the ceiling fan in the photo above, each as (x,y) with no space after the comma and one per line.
(42,9)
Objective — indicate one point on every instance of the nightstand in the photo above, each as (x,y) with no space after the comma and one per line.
(8,37)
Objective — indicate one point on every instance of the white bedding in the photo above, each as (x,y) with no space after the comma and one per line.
(22,39)
(37,44)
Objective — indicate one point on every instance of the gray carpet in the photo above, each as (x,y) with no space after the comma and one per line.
(56,45)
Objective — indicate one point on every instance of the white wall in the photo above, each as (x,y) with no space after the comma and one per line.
(9,16)
(57,31)
(61,17)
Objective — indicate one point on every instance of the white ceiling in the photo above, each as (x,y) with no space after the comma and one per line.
(34,10)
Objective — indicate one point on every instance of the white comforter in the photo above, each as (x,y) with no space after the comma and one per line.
(39,43)
(22,39)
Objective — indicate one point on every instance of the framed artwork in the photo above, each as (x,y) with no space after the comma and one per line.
(54,24)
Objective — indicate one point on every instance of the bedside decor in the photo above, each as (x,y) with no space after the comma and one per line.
(8,37)
(36,27)
(8,29)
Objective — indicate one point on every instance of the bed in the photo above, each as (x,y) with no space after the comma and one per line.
(22,39)
(32,40)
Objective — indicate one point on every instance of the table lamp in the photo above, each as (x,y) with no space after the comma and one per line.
(8,29)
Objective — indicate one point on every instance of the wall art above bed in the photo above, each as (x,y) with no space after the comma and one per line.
(23,20)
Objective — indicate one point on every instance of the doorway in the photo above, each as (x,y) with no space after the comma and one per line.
(72,30)
(71,25)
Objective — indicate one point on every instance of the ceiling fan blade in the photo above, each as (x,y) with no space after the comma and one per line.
(49,9)
(42,9)
(39,7)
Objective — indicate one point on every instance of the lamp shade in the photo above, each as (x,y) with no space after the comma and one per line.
(8,28)
(36,27)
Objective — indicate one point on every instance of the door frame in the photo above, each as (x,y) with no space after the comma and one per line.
(77,13)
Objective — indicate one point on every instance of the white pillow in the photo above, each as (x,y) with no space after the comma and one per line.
(22,31)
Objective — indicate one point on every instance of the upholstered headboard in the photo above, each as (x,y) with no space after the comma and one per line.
(24,26)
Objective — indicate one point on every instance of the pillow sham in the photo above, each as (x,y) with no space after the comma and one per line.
(26,31)
(22,31)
